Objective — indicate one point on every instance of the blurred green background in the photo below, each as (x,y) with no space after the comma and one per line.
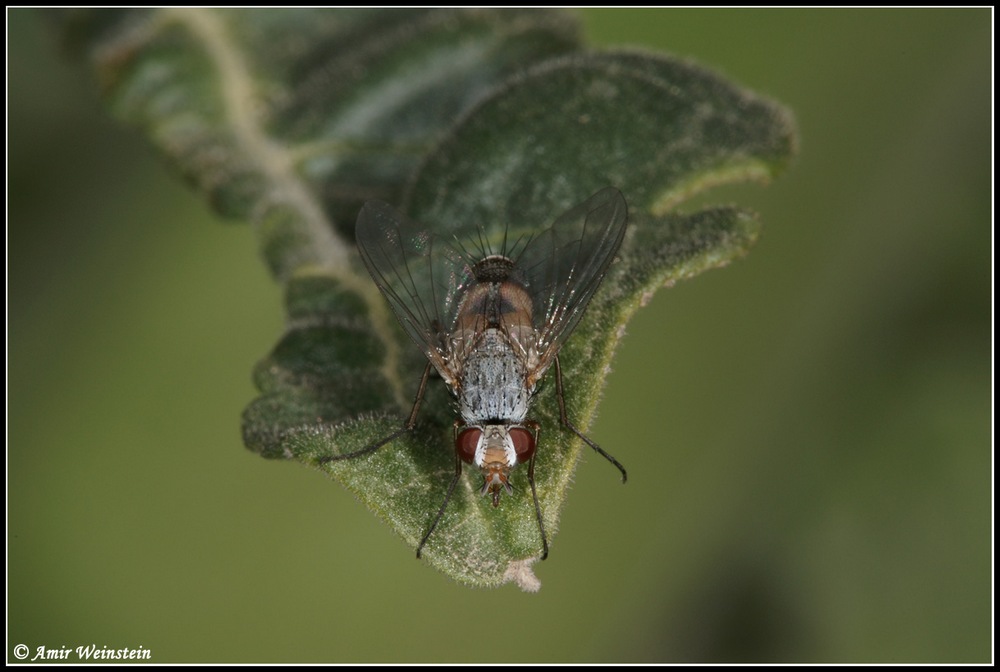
(807,432)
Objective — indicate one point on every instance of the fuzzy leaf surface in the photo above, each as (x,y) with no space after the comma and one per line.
(472,121)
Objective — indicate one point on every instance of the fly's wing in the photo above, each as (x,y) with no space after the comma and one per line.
(562,267)
(416,272)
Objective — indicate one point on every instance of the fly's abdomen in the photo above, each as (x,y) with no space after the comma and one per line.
(493,383)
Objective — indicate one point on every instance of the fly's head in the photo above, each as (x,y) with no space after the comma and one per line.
(495,449)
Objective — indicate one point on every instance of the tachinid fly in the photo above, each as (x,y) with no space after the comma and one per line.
(491,322)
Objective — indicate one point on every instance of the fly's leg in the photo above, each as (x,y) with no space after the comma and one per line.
(534,493)
(444,504)
(410,423)
(566,423)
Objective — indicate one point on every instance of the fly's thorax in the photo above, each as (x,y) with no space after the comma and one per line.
(493,383)
(495,449)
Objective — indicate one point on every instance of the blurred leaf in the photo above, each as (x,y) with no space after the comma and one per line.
(292,118)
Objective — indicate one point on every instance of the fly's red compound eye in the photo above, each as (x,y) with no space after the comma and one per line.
(524,443)
(466,443)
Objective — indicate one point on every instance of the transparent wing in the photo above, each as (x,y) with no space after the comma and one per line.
(563,266)
(418,273)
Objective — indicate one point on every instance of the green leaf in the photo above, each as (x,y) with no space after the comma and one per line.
(291,119)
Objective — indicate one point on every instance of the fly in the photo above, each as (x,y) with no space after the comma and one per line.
(492,323)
